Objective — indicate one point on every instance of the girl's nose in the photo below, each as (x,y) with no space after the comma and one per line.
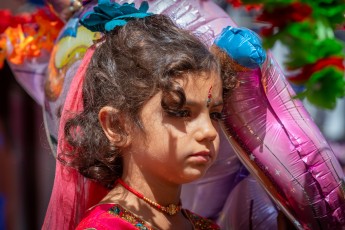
(206,130)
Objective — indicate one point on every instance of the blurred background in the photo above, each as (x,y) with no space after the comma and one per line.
(27,164)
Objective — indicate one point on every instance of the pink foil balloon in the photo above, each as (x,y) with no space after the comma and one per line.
(278,142)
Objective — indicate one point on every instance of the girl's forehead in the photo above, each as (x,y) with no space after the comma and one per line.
(200,79)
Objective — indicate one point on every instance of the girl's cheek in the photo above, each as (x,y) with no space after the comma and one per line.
(217,145)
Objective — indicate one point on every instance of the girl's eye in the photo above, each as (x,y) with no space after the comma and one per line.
(216,116)
(179,113)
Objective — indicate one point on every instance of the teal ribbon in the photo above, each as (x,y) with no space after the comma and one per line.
(108,15)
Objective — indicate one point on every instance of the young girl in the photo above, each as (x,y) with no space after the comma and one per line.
(151,98)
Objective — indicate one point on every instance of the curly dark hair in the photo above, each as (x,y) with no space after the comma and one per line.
(230,69)
(130,66)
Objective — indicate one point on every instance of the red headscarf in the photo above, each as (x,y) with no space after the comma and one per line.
(72,193)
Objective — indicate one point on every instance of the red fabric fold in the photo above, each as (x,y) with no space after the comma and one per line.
(72,193)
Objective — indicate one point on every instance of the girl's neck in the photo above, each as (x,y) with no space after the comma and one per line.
(158,190)
(155,189)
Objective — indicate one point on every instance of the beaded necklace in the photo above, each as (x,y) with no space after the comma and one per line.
(171,209)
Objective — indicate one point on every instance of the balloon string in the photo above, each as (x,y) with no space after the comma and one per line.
(251,215)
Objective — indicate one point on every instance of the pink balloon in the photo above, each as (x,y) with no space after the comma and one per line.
(277,140)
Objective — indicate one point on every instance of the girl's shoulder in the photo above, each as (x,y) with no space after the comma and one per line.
(200,222)
(114,216)
(111,216)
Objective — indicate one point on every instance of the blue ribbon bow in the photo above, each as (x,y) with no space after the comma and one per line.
(108,15)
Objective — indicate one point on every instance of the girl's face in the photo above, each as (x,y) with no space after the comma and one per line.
(180,147)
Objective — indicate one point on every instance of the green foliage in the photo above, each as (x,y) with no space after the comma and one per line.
(324,88)
(309,40)
(333,10)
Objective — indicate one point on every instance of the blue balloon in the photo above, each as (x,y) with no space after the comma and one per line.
(242,45)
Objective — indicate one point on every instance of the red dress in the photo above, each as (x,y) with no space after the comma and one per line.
(114,216)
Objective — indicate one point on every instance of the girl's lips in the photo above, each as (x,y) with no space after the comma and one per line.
(203,153)
(201,156)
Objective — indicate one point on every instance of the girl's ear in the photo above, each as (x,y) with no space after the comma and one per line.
(115,126)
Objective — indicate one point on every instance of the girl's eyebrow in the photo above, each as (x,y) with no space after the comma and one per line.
(217,103)
(213,104)
(192,103)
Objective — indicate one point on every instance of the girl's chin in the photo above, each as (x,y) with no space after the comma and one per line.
(193,175)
